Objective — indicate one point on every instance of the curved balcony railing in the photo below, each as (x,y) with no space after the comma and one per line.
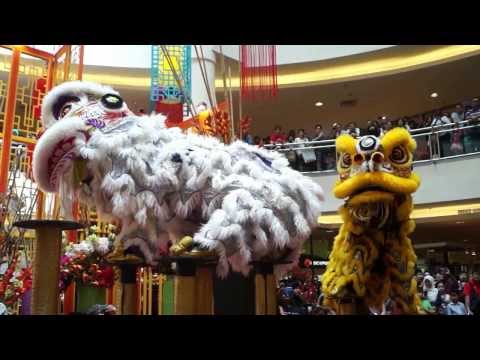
(433,143)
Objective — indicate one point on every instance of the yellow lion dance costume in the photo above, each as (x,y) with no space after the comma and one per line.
(372,257)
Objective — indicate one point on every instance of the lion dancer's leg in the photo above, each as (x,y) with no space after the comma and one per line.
(350,263)
(400,260)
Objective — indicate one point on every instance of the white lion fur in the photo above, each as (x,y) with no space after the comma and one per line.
(243,202)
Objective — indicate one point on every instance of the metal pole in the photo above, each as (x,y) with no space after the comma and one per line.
(224,76)
(80,62)
(230,100)
(240,112)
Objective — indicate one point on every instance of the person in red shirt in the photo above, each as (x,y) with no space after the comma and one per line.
(472,294)
(277,135)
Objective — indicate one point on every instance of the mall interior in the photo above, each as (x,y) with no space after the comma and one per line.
(305,116)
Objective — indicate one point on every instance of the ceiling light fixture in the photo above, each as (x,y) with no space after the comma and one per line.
(433,95)
(318,104)
(384,117)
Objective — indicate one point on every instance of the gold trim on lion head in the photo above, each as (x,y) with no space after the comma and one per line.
(375,165)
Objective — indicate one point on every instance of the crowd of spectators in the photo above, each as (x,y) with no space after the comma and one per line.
(445,294)
(440,294)
(439,133)
(300,294)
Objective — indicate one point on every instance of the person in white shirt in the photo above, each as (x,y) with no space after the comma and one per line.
(440,122)
(430,289)
(457,115)
(304,156)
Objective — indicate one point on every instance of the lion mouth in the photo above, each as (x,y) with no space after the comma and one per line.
(368,188)
(62,155)
(55,153)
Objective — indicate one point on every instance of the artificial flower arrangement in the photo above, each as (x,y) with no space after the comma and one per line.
(14,283)
(85,261)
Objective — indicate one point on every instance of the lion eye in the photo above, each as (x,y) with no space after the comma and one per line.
(346,161)
(65,110)
(399,155)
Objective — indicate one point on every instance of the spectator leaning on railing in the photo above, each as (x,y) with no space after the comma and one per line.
(277,135)
(442,119)
(319,136)
(403,123)
(306,156)
(336,131)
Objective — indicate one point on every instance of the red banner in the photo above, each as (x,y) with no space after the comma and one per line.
(37,95)
(173,112)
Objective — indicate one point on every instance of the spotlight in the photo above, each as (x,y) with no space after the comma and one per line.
(384,117)
(433,95)
(318,104)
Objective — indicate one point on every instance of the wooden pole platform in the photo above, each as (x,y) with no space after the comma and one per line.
(46,262)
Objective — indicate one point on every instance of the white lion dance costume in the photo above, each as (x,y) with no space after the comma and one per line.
(240,201)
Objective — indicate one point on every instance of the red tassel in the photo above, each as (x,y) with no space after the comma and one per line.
(258,78)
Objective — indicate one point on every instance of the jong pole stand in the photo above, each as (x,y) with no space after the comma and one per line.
(46,262)
(265,287)
(193,284)
(128,266)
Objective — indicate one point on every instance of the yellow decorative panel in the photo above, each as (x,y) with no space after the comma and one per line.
(30,91)
(60,70)
(74,63)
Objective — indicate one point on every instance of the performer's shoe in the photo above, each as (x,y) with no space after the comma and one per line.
(182,246)
(186,247)
(199,252)
(118,256)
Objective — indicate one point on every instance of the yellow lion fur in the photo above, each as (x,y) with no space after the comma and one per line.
(356,247)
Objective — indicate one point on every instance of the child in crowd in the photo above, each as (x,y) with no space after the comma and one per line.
(426,307)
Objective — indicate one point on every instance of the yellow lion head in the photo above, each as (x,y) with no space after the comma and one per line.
(371,167)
